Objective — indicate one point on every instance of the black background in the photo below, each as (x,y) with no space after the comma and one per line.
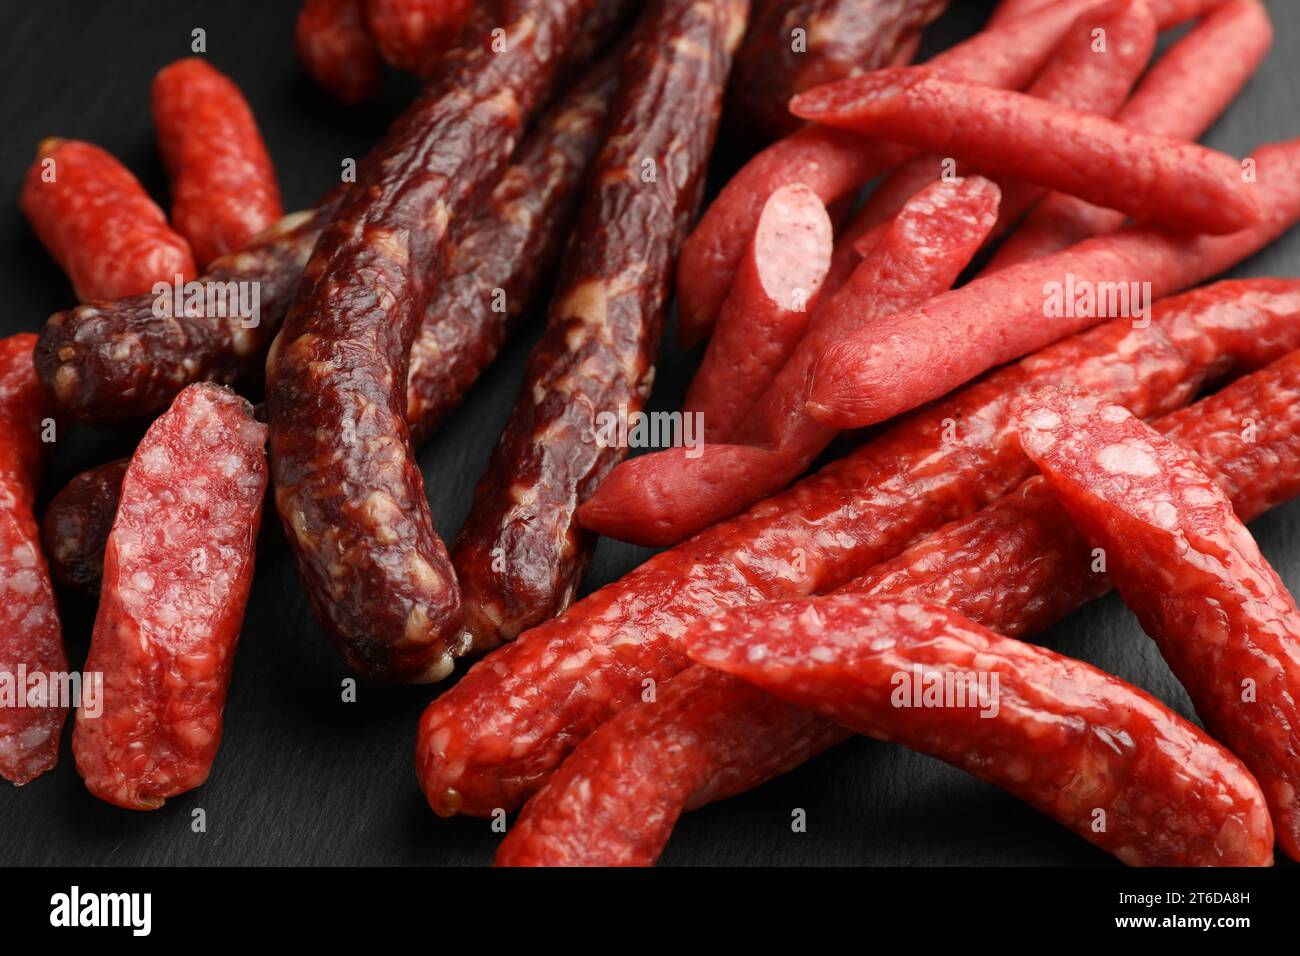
(303,778)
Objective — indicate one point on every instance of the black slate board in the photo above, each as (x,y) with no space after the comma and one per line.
(305,779)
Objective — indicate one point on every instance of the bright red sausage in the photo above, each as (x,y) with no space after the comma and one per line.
(99,224)
(767,310)
(493,738)
(1185,91)
(835,164)
(661,498)
(224,189)
(412,34)
(615,799)
(1099,756)
(177,571)
(1155,179)
(1184,562)
(1018,565)
(906,360)
(31,639)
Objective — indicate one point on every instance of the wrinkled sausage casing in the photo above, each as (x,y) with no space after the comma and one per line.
(77,523)
(337,49)
(347,487)
(521,553)
(793,45)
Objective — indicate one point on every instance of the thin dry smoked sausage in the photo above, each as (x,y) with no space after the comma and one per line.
(521,552)
(349,492)
(1155,179)
(835,163)
(224,189)
(663,497)
(1185,91)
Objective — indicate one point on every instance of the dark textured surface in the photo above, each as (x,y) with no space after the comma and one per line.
(301,776)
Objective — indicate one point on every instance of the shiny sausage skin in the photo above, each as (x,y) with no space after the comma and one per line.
(31,639)
(766,312)
(906,360)
(1155,179)
(1018,565)
(521,553)
(615,799)
(347,487)
(1182,94)
(835,163)
(840,38)
(98,222)
(665,496)
(108,363)
(1099,756)
(492,740)
(177,571)
(1081,75)
(223,185)
(1189,569)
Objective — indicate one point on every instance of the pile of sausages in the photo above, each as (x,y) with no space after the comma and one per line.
(558,154)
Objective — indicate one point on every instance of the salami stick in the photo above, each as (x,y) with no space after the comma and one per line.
(1094,67)
(498,270)
(914,356)
(107,363)
(1182,94)
(31,639)
(521,552)
(337,49)
(766,312)
(224,189)
(1155,179)
(493,738)
(839,38)
(661,498)
(98,222)
(615,799)
(1187,566)
(347,487)
(835,164)
(1040,725)
(1016,566)
(177,571)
